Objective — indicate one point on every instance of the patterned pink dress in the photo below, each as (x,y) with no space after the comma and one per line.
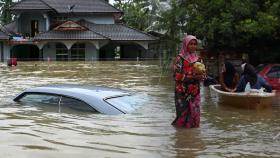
(187,95)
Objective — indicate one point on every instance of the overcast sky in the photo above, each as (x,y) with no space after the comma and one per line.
(111,1)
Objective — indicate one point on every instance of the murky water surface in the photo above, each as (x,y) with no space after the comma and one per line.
(28,131)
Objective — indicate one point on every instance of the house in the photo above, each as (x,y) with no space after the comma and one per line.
(67,30)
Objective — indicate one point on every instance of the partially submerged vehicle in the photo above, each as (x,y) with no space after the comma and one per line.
(248,100)
(271,73)
(83,98)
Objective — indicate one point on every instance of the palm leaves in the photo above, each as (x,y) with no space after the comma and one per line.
(6,15)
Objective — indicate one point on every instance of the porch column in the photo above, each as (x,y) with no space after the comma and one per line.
(97,54)
(41,54)
(97,47)
(68,45)
(2,51)
(18,28)
(40,45)
(47,21)
(69,54)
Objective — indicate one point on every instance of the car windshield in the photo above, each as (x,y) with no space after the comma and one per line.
(125,103)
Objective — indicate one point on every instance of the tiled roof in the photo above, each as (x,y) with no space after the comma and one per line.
(69,35)
(63,6)
(11,27)
(3,36)
(30,4)
(114,32)
(118,32)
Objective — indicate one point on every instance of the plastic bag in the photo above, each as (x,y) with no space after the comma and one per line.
(248,87)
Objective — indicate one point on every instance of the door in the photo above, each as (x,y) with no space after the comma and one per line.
(34,27)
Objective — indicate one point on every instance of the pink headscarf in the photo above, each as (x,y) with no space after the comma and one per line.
(190,57)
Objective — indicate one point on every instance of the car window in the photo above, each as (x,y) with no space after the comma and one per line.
(74,104)
(62,103)
(274,72)
(260,67)
(125,103)
(40,98)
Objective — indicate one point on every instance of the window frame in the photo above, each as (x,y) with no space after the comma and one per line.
(61,52)
(269,73)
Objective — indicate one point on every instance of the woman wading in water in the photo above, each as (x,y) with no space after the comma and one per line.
(187,88)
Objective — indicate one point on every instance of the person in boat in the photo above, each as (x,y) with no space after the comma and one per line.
(229,77)
(187,85)
(252,79)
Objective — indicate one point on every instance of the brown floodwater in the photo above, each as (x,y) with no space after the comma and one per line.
(31,132)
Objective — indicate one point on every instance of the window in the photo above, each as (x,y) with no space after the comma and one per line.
(34,27)
(78,52)
(274,72)
(56,103)
(40,98)
(61,52)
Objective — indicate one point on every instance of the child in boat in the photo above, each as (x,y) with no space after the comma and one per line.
(250,77)
(229,78)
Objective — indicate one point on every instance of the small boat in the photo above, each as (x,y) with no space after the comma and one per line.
(247,100)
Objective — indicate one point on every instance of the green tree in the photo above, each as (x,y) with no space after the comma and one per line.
(6,15)
(173,21)
(140,14)
(135,13)
(237,25)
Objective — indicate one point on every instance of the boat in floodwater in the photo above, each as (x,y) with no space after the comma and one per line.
(247,100)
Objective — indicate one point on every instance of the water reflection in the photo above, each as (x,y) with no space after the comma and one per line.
(188,142)
(39,132)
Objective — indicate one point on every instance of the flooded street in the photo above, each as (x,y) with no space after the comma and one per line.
(31,132)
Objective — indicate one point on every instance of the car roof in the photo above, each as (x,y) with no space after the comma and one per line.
(92,95)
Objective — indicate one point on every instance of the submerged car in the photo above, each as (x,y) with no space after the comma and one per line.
(82,98)
(271,73)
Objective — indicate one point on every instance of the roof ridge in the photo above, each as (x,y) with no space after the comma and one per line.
(27,0)
(111,5)
(138,31)
(16,4)
(93,30)
(47,5)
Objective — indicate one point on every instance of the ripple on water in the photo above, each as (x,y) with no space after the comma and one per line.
(39,132)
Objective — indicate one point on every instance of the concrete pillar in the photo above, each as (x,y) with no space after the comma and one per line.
(69,54)
(2,51)
(41,54)
(47,19)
